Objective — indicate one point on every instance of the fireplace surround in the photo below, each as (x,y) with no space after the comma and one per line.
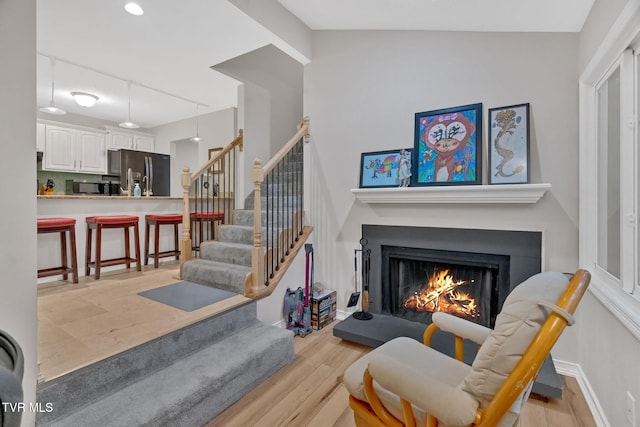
(509,256)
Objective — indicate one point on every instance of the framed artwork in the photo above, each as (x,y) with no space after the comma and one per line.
(448,146)
(218,167)
(509,144)
(380,169)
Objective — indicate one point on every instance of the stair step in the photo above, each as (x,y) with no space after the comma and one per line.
(232,253)
(79,388)
(243,234)
(229,277)
(279,203)
(196,388)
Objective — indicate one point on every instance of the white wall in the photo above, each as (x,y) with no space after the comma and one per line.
(18,171)
(216,129)
(361,92)
(608,351)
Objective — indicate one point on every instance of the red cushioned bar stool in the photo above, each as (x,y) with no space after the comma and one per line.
(200,218)
(99,223)
(157,221)
(62,226)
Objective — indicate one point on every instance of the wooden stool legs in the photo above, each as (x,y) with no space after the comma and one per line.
(103,222)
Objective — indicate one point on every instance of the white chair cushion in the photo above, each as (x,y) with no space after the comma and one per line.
(426,363)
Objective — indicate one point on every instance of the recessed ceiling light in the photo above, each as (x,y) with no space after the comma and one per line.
(133,8)
(84,99)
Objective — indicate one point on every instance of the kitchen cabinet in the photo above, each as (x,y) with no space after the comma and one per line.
(118,139)
(74,150)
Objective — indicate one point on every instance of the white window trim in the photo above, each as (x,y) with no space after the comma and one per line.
(620,303)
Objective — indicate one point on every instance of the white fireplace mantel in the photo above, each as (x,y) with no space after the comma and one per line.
(504,193)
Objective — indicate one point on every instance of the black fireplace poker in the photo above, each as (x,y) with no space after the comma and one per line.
(366,266)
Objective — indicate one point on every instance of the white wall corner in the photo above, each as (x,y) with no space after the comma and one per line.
(574,370)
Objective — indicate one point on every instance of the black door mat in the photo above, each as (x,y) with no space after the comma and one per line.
(187,296)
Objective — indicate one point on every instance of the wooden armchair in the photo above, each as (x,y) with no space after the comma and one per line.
(406,383)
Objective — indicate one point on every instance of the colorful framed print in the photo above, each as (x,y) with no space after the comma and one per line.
(391,168)
(448,146)
(509,145)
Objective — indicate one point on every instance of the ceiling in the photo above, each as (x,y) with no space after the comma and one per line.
(167,52)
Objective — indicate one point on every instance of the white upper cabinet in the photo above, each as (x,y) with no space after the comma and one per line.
(75,150)
(40,136)
(118,139)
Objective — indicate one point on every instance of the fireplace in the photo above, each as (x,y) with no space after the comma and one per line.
(418,282)
(416,271)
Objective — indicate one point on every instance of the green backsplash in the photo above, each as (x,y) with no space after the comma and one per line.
(60,178)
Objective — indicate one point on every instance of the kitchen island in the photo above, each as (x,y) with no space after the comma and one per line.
(80,207)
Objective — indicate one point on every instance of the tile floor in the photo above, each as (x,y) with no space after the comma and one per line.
(89,321)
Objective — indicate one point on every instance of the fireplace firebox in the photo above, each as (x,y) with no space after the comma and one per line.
(418,282)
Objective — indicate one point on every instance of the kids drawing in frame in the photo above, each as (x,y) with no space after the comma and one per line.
(448,146)
(380,169)
(509,145)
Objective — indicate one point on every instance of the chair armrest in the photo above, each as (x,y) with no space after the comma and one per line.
(450,405)
(460,327)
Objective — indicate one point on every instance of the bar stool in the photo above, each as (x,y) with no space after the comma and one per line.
(200,218)
(116,221)
(157,221)
(62,226)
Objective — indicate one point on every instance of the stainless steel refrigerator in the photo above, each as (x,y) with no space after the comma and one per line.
(151,170)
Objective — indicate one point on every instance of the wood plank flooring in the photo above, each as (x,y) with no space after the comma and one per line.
(309,392)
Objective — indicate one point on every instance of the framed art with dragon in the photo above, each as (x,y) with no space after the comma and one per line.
(448,146)
(509,145)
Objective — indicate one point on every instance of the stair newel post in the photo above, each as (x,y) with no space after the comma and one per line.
(257,255)
(185,251)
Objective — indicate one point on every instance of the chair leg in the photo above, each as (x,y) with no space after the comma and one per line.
(87,257)
(98,250)
(136,235)
(156,244)
(127,248)
(74,255)
(63,253)
(175,239)
(146,242)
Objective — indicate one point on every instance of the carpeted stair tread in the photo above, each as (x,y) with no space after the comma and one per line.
(244,234)
(196,388)
(228,252)
(229,277)
(245,216)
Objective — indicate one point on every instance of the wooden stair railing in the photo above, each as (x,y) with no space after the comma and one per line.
(208,197)
(285,232)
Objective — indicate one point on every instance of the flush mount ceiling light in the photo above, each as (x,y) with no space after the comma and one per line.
(197,137)
(52,109)
(129,124)
(133,8)
(84,99)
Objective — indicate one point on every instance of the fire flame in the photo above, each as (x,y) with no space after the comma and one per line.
(440,294)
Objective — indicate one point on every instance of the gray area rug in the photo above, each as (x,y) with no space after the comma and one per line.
(187,296)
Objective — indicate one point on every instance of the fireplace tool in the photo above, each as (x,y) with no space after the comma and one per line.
(366,264)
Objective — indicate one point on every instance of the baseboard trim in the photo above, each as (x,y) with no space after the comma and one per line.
(574,370)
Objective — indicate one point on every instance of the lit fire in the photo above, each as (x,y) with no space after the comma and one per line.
(440,294)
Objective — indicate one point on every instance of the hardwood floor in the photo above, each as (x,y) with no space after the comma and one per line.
(309,392)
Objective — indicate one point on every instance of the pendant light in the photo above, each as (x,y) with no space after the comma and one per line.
(197,137)
(52,109)
(129,124)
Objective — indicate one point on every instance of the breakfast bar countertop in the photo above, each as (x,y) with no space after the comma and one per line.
(105,197)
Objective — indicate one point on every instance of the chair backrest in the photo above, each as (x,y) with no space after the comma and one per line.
(531,320)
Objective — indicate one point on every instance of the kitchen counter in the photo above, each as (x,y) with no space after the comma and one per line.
(101,197)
